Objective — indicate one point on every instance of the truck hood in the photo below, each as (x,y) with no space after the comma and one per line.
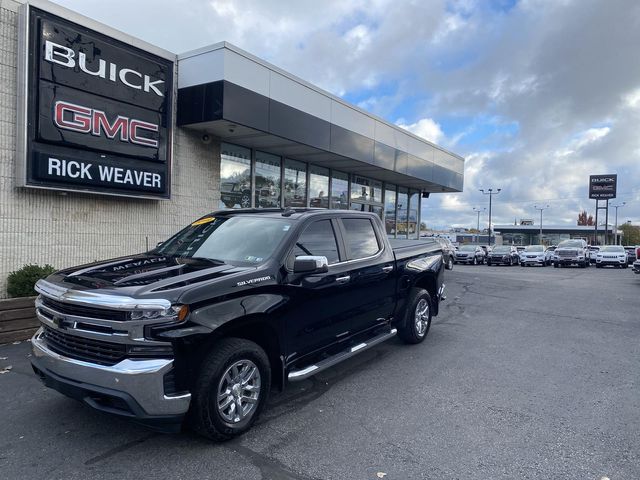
(145,275)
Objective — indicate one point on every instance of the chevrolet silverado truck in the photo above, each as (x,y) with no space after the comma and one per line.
(571,252)
(198,330)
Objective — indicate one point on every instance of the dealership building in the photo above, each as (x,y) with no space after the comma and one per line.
(109,145)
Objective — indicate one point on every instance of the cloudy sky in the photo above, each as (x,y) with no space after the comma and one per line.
(536,95)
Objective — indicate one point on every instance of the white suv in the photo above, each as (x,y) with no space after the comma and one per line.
(614,255)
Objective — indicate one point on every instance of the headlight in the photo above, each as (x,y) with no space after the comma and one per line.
(175,313)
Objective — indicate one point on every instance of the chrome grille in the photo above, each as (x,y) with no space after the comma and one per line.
(81,348)
(84,311)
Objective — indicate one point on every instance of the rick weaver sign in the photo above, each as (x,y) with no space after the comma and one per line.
(98,111)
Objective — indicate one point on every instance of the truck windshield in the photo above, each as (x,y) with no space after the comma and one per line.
(570,243)
(239,240)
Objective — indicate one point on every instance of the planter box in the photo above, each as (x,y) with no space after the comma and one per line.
(17,319)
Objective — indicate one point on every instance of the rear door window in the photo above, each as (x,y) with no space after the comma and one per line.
(360,238)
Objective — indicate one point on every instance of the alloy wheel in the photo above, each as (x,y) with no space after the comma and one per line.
(239,391)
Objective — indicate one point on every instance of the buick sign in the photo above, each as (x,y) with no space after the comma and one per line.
(97,110)
(603,187)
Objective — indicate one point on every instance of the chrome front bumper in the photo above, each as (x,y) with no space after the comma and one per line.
(139,380)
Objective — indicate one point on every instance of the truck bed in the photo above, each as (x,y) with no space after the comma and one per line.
(404,248)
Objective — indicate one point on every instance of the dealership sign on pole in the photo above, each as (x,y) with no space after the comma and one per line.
(603,187)
(96,111)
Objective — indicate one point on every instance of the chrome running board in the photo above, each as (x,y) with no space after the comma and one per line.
(298,375)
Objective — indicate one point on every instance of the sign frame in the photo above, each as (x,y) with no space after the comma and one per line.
(27,99)
(608,182)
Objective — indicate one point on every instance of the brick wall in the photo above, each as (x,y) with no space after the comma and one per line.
(39,226)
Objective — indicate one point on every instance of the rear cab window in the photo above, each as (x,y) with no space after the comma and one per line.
(360,239)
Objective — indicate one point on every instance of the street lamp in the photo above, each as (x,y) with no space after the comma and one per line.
(491,193)
(541,210)
(616,207)
(478,210)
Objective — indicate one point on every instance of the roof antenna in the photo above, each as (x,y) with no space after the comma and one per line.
(288,212)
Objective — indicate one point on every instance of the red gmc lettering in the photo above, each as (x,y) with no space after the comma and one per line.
(81,119)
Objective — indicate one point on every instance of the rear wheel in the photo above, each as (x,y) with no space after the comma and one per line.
(450,264)
(231,389)
(417,320)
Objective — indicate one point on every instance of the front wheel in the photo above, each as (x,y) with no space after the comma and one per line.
(488,263)
(231,389)
(418,317)
(475,260)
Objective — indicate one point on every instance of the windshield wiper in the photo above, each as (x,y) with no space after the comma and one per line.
(203,259)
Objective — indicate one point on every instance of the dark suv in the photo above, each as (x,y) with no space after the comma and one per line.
(472,254)
(503,255)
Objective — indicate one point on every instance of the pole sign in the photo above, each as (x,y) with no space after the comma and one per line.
(97,111)
(603,187)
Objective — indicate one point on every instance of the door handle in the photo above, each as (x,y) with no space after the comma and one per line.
(344,279)
(387,269)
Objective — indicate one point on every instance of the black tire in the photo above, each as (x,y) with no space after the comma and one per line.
(488,263)
(475,260)
(598,266)
(204,415)
(582,265)
(449,265)
(522,264)
(555,265)
(409,330)
(245,199)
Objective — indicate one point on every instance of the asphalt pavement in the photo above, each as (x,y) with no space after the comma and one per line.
(528,373)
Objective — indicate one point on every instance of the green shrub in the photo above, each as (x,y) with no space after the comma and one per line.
(21,282)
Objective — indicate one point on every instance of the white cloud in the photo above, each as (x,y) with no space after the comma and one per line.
(426,128)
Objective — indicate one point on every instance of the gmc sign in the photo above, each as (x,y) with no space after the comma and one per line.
(98,110)
(603,187)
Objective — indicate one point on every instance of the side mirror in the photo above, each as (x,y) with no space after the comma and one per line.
(311,264)
(158,244)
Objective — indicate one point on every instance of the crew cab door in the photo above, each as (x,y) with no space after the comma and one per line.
(318,312)
(368,272)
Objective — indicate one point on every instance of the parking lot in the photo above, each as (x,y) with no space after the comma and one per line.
(527,373)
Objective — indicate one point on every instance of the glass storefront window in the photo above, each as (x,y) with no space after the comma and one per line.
(340,190)
(390,209)
(403,212)
(267,180)
(366,190)
(318,187)
(295,183)
(235,176)
(414,202)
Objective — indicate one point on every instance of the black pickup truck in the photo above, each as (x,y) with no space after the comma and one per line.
(201,327)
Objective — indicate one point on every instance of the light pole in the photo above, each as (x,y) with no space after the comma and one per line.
(491,193)
(541,210)
(478,210)
(616,207)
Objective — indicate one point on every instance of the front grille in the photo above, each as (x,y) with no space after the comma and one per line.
(567,253)
(82,311)
(81,348)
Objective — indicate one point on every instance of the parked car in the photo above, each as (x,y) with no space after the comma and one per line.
(233,304)
(448,251)
(614,255)
(549,254)
(533,255)
(636,266)
(233,193)
(503,255)
(472,254)
(571,252)
(592,252)
(631,253)
(520,248)
(486,249)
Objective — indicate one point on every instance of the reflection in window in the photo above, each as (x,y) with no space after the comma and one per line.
(403,209)
(318,187)
(366,190)
(340,190)
(267,180)
(295,183)
(414,228)
(390,210)
(235,176)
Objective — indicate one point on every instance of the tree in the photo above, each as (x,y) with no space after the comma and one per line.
(423,226)
(631,234)
(585,220)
